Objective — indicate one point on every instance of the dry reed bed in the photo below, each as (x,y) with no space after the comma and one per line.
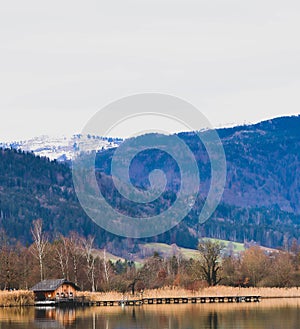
(168,309)
(205,292)
(25,297)
(16,298)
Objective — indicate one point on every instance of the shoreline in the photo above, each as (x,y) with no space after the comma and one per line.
(217,291)
(20,298)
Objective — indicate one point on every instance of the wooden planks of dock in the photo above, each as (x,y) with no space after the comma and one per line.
(151,301)
(177,300)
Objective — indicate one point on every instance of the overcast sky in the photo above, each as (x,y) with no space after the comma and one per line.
(62,61)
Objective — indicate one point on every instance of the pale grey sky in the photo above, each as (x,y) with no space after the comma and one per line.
(61,61)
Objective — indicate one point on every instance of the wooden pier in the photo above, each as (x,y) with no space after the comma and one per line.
(171,300)
(157,301)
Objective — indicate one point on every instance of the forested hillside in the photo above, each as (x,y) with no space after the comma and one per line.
(35,188)
(261,196)
(260,201)
(32,187)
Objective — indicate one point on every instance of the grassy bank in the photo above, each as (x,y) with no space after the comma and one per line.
(16,298)
(205,292)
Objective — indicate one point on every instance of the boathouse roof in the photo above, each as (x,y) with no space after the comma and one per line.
(51,285)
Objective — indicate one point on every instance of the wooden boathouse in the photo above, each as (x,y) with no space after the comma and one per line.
(48,291)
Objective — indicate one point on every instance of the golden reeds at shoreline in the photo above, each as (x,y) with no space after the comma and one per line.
(205,292)
(26,297)
(16,298)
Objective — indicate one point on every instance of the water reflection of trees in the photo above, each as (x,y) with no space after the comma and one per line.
(209,316)
(268,314)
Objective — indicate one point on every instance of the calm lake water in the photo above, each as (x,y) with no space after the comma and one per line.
(275,314)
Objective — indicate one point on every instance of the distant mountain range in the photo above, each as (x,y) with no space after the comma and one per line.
(260,200)
(262,191)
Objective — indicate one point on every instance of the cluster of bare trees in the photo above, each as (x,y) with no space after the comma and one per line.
(254,267)
(72,257)
(75,258)
(257,267)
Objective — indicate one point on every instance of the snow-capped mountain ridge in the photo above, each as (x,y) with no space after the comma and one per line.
(63,148)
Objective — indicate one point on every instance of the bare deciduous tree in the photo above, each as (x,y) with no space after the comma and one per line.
(255,265)
(282,270)
(87,245)
(7,262)
(210,261)
(106,270)
(75,249)
(39,246)
(61,248)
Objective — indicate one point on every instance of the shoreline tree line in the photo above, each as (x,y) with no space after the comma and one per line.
(75,258)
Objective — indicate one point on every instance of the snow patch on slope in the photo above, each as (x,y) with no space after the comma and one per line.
(63,148)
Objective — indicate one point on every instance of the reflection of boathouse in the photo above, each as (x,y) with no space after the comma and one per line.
(52,317)
(60,289)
